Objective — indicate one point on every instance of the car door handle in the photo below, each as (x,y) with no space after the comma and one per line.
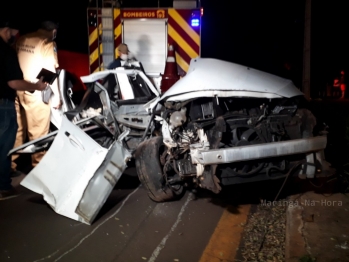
(74,141)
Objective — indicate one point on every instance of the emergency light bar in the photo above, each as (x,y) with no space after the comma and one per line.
(195,22)
(195,18)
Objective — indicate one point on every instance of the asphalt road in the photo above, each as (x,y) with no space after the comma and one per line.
(130,227)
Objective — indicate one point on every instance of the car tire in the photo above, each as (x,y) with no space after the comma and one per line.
(150,171)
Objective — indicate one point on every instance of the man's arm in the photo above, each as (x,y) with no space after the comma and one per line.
(14,75)
(22,85)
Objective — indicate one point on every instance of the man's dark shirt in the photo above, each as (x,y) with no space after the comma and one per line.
(9,70)
(115,64)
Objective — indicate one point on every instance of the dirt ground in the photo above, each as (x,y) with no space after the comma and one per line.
(317,228)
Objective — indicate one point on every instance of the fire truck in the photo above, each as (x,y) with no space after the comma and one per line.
(148,32)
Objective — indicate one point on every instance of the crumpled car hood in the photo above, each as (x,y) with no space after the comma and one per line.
(213,77)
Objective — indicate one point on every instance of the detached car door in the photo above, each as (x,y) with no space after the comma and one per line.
(77,174)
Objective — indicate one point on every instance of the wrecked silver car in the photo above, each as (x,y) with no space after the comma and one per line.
(226,124)
(221,124)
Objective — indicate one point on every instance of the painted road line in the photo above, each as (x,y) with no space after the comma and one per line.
(162,244)
(93,231)
(227,236)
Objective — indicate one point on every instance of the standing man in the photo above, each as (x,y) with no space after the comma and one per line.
(342,84)
(125,58)
(122,57)
(336,87)
(36,51)
(11,79)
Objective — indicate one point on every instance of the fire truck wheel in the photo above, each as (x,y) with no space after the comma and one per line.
(150,171)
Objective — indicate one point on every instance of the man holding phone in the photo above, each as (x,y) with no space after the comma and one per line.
(11,80)
(36,51)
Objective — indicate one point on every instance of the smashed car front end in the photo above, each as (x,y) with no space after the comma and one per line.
(225,123)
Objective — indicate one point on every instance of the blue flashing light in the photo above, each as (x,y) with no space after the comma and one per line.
(195,22)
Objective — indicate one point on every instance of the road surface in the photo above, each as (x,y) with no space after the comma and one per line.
(130,227)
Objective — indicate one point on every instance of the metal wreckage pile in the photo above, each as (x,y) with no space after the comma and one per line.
(221,124)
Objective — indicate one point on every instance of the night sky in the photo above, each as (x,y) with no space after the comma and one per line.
(266,35)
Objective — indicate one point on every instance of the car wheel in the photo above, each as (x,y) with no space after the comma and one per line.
(150,171)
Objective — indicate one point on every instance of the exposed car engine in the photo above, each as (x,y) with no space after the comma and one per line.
(214,123)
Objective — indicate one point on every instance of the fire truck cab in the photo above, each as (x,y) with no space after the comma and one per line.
(148,32)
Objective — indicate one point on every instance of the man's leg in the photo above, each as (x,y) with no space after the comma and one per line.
(343,87)
(8,130)
(22,128)
(38,119)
